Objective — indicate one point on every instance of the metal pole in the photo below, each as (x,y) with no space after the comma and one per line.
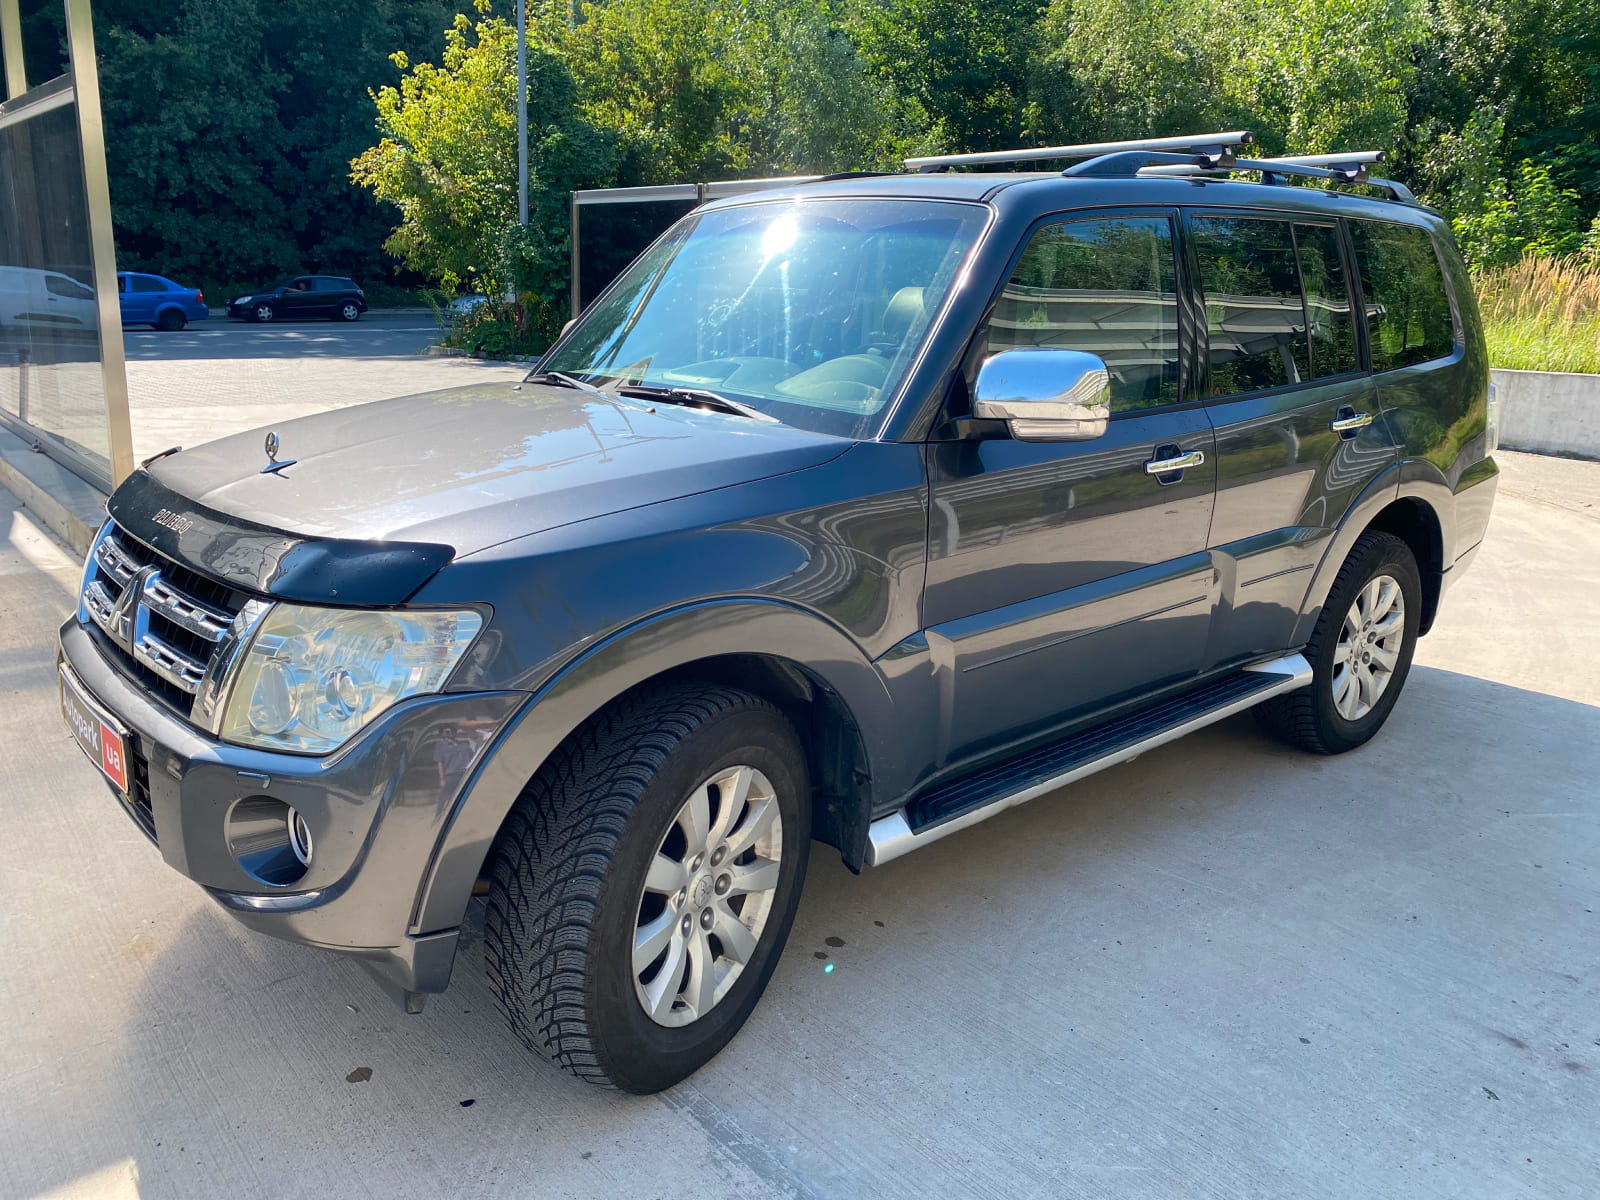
(577,302)
(522,112)
(11,46)
(102,239)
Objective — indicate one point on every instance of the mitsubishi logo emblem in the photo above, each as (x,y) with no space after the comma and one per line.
(273,465)
(125,613)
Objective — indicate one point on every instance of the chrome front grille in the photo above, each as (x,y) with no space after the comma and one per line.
(167,622)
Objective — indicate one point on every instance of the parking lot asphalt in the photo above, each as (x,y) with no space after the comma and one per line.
(1226,969)
(221,376)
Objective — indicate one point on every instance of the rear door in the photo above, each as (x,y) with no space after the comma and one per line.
(1063,577)
(1293,408)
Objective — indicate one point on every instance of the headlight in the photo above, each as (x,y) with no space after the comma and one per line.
(242,300)
(313,677)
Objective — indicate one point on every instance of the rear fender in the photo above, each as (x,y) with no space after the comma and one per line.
(1415,479)
(630,657)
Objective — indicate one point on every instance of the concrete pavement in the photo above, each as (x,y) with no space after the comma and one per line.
(1226,969)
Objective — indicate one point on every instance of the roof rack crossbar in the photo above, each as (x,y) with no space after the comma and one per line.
(1350,158)
(1272,168)
(1124,163)
(1186,142)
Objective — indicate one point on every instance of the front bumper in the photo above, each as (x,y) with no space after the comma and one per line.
(376,809)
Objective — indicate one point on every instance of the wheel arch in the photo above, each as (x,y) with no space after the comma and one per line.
(1411,500)
(803,664)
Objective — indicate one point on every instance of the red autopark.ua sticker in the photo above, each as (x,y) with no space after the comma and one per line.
(111,756)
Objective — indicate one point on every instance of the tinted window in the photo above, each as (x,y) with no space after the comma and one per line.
(1107,286)
(1254,316)
(1333,340)
(60,285)
(1408,313)
(325,284)
(144,283)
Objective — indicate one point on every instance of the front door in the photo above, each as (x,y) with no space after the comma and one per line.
(1064,577)
(1298,435)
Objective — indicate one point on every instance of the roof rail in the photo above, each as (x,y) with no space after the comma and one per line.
(1196,143)
(1272,169)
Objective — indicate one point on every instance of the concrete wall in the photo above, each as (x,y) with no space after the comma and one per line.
(1549,412)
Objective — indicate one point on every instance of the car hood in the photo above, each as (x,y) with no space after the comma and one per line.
(472,466)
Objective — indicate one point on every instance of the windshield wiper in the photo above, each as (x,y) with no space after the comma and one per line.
(695,398)
(561,380)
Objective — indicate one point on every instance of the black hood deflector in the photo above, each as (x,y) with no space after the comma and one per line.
(240,554)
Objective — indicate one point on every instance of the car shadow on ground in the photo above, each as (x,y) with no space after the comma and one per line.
(1144,916)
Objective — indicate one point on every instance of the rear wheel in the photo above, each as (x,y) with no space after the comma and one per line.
(348,311)
(171,320)
(262,313)
(644,885)
(1360,651)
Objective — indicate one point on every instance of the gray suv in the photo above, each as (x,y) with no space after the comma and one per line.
(854,511)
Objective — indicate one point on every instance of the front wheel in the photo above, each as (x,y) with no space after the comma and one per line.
(645,883)
(1360,651)
(262,313)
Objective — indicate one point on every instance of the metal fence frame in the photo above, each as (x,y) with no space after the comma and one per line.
(80,86)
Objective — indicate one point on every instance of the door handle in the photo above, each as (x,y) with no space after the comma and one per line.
(1349,424)
(1165,466)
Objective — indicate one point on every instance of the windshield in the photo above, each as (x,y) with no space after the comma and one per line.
(811,311)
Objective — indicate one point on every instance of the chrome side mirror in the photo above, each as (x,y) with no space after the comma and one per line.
(1045,394)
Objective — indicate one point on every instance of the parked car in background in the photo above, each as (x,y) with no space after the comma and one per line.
(463,306)
(40,298)
(155,300)
(331,296)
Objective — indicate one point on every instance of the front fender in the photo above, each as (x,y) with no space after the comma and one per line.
(605,671)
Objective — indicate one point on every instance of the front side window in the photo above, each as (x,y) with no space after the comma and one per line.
(1408,312)
(1105,285)
(1255,321)
(811,311)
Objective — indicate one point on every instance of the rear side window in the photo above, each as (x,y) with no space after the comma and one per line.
(324,284)
(1333,336)
(144,283)
(1107,286)
(1408,312)
(1255,319)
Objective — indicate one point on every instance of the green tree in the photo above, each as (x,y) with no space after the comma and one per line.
(447,160)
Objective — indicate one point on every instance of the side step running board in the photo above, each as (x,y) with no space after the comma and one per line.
(979,796)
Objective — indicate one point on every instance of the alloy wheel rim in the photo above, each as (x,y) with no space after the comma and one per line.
(707,896)
(1368,652)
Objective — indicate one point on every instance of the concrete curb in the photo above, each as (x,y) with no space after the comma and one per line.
(69,507)
(1549,412)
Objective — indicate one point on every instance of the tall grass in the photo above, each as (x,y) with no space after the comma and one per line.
(1543,314)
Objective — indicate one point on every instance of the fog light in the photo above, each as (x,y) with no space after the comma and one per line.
(270,840)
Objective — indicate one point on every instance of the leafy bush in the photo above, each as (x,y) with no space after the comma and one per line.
(494,329)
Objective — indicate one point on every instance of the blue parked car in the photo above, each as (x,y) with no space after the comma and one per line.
(152,300)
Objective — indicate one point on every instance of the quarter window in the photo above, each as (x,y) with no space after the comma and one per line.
(1255,318)
(1107,286)
(1408,313)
